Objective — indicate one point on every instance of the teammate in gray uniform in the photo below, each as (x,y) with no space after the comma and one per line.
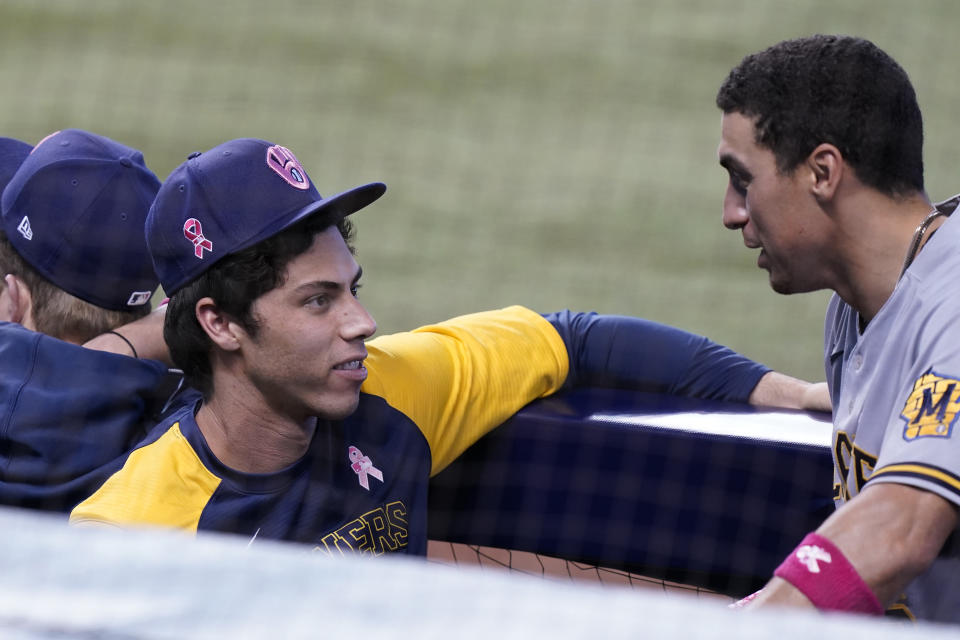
(822,140)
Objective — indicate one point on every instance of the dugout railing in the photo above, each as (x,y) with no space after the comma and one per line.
(704,493)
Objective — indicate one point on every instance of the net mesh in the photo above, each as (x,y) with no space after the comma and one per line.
(564,143)
(535,565)
(536,152)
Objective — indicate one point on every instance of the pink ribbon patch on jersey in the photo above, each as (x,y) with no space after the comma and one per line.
(193,232)
(286,165)
(363,466)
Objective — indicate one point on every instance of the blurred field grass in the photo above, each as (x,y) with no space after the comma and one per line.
(554,153)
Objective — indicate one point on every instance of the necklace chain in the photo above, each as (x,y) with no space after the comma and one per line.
(918,238)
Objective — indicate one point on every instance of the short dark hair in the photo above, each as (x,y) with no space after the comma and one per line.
(56,312)
(235,283)
(841,90)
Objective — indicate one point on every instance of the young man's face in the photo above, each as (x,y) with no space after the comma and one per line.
(307,356)
(775,212)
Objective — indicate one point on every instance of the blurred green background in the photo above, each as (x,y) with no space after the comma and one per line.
(554,153)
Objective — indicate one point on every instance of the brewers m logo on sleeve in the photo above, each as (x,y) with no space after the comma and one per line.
(931,408)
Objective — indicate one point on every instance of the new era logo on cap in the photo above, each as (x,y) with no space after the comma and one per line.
(74,210)
(24,228)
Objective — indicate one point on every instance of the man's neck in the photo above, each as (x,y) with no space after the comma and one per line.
(245,434)
(874,236)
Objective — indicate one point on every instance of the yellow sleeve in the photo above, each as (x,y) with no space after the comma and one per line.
(459,379)
(162,484)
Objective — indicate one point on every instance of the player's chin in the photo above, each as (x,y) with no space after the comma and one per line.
(780,286)
(791,279)
(338,408)
(786,286)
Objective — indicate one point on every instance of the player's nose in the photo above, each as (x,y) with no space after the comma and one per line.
(357,321)
(734,210)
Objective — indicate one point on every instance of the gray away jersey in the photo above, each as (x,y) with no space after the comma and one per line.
(896,399)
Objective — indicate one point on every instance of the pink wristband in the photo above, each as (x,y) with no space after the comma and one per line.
(822,573)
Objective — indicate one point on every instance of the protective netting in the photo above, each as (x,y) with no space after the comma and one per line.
(555,153)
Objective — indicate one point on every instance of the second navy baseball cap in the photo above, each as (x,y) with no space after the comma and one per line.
(229,198)
(12,154)
(75,210)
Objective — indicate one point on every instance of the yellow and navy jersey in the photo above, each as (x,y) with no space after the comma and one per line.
(429,395)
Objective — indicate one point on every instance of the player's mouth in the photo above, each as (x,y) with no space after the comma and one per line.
(762,261)
(352,369)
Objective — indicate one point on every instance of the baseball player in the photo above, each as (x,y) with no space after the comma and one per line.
(307,432)
(822,140)
(74,264)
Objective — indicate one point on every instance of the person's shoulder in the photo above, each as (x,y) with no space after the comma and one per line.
(18,346)
(931,281)
(161,482)
(13,335)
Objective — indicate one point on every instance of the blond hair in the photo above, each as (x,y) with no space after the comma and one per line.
(56,312)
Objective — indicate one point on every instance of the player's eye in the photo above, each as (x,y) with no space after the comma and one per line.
(355,290)
(738,184)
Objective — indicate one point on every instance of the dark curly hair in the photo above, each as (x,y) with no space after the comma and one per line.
(235,283)
(841,90)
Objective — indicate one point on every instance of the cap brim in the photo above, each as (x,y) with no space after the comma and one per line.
(341,205)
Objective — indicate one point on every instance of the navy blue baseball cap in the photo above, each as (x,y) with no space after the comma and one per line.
(75,210)
(12,154)
(230,198)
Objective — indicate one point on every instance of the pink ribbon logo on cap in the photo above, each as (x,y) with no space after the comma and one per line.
(363,466)
(193,232)
(286,165)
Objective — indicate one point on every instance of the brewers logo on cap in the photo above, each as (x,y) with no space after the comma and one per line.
(282,160)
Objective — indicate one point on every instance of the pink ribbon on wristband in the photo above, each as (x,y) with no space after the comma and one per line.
(822,573)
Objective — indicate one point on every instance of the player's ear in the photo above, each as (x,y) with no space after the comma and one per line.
(220,327)
(16,303)
(826,167)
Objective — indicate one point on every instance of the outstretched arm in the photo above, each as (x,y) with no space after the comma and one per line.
(627,352)
(604,350)
(779,390)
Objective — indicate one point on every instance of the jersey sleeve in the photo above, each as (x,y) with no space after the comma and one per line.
(162,483)
(633,353)
(921,444)
(459,379)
